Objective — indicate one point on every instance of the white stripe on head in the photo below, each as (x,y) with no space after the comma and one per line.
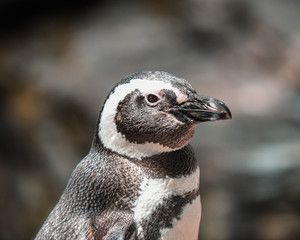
(108,133)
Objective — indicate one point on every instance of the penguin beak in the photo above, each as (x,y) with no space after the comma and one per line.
(201,108)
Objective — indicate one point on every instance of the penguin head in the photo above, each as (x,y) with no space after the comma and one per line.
(152,112)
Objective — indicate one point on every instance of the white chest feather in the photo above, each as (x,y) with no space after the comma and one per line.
(152,194)
(187,227)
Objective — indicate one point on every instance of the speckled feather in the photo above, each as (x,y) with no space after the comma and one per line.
(95,203)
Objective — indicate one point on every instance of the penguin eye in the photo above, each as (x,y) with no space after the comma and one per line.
(151,98)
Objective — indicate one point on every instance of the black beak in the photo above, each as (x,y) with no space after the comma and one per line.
(202,108)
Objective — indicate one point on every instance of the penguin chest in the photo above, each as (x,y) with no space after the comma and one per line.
(168,208)
(187,226)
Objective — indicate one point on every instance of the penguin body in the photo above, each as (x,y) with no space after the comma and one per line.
(140,180)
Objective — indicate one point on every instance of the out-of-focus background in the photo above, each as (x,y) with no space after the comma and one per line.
(59,60)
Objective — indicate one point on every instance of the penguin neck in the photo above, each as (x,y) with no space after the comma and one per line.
(171,164)
(168,164)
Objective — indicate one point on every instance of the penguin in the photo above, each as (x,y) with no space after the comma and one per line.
(140,179)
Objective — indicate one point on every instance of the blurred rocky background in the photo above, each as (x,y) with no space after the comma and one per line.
(59,59)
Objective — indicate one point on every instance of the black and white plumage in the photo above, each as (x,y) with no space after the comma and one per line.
(140,179)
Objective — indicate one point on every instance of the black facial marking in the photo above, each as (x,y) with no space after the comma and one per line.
(170,96)
(140,123)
